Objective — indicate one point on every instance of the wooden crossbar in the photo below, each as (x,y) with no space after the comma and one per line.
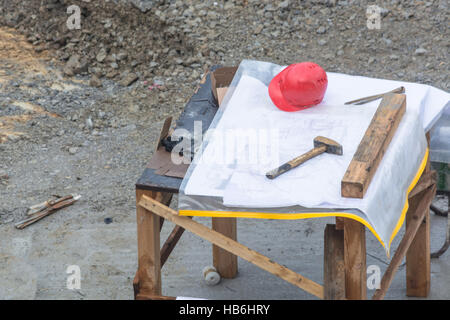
(232,246)
(425,181)
(170,243)
(404,245)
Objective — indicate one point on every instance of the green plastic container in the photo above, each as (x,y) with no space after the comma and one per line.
(443,175)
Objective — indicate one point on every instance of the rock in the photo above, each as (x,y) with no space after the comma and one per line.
(122,55)
(420,51)
(18,280)
(3,175)
(143,5)
(384,12)
(322,42)
(229,6)
(101,55)
(111,74)
(135,63)
(128,79)
(284,4)
(89,123)
(258,29)
(72,65)
(14,137)
(95,81)
(133,108)
(73,150)
(321,30)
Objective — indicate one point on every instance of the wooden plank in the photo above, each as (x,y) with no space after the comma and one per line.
(418,256)
(340,223)
(149,257)
(233,246)
(333,264)
(426,180)
(225,262)
(201,107)
(170,243)
(165,199)
(136,284)
(143,296)
(355,260)
(164,132)
(416,215)
(373,145)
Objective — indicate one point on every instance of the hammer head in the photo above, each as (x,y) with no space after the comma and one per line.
(332,146)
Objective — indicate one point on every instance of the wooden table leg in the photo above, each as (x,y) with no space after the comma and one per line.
(333,263)
(418,263)
(355,260)
(148,277)
(418,267)
(224,261)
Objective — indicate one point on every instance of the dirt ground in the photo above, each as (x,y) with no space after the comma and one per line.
(80,111)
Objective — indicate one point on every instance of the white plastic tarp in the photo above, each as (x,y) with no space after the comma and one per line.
(225,179)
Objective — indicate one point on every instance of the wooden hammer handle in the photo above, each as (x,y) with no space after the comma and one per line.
(295,162)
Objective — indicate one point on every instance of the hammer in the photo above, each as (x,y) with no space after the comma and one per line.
(321,145)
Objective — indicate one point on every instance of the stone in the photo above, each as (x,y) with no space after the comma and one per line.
(129,79)
(258,29)
(143,5)
(89,123)
(95,81)
(122,55)
(73,65)
(73,150)
(111,74)
(3,175)
(284,4)
(420,51)
(321,30)
(101,55)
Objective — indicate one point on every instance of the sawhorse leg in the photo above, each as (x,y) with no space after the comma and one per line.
(418,264)
(355,260)
(345,260)
(148,276)
(224,261)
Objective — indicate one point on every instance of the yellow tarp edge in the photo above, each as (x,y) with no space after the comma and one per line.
(306,215)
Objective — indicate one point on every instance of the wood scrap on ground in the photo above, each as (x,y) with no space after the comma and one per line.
(41,210)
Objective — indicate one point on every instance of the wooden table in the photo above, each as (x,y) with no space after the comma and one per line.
(344,242)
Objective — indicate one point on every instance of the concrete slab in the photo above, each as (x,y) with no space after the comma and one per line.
(107,257)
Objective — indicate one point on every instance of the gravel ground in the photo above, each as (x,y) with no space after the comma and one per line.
(80,109)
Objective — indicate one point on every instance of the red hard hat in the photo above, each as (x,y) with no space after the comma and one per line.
(299,86)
